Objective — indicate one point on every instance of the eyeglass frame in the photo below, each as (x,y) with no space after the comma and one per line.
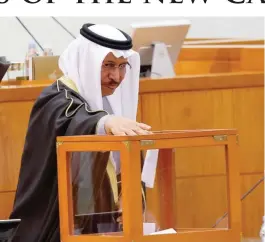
(114,66)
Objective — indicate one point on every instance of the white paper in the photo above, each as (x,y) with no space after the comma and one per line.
(149,168)
(166,231)
(149,228)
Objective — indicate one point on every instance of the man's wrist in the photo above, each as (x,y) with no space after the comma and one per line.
(100,129)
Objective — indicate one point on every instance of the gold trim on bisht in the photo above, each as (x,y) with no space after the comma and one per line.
(110,166)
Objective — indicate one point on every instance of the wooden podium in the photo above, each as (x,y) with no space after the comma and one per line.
(132,210)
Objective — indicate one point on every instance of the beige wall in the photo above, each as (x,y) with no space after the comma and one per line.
(14,39)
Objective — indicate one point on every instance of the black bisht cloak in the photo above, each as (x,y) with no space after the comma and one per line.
(36,200)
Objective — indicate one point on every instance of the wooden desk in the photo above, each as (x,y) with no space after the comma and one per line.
(207,56)
(25,83)
(188,102)
(204,59)
(224,41)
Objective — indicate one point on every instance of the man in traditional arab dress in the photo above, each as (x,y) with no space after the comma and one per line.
(98,94)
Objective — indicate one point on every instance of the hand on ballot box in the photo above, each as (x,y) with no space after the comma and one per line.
(123,126)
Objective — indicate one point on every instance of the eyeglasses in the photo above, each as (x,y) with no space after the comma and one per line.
(112,67)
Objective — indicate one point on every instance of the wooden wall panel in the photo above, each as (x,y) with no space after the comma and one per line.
(193,162)
(241,108)
(200,201)
(198,110)
(248,106)
(151,110)
(14,118)
(253,205)
(6,204)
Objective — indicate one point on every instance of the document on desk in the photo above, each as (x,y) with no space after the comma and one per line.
(149,168)
(166,231)
(150,229)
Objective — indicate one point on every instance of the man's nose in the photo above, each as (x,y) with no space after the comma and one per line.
(115,74)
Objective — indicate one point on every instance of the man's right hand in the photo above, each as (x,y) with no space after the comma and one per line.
(123,126)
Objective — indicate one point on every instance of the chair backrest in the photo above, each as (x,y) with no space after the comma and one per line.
(3,69)
(8,229)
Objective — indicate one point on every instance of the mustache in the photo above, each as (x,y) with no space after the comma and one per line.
(113,82)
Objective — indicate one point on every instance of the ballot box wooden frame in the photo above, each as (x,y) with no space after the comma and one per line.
(129,146)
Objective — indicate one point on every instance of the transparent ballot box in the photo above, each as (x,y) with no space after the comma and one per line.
(167,186)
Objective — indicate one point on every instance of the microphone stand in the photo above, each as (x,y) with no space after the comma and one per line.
(57,21)
(27,30)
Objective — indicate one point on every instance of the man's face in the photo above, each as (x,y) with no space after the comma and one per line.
(113,71)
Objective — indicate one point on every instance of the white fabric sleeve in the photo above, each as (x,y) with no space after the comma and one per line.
(100,129)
